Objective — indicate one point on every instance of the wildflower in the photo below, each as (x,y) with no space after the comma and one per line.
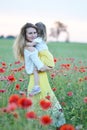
(17,87)
(63,103)
(2,70)
(16,115)
(82,69)
(19,69)
(67,127)
(70,93)
(55,60)
(21,80)
(45,104)
(2,90)
(31,115)
(81,79)
(11,78)
(12,107)
(10,64)
(23,67)
(17,62)
(53,75)
(65,66)
(3,64)
(4,110)
(85,100)
(24,102)
(46,120)
(54,89)
(14,98)
(47,97)
(85,78)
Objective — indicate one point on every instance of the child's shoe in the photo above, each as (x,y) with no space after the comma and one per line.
(35,91)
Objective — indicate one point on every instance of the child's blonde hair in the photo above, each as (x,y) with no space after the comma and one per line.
(41,30)
(20,42)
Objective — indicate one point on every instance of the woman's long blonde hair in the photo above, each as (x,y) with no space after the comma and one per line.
(20,42)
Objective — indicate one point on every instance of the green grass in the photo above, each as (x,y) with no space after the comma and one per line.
(6,51)
(72,79)
(58,49)
(75,50)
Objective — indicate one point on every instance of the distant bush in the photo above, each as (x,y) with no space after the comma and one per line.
(1,36)
(10,37)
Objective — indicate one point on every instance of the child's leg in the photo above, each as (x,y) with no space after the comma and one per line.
(35,59)
(37,62)
(36,89)
(36,77)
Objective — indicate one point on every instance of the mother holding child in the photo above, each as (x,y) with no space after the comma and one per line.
(31,48)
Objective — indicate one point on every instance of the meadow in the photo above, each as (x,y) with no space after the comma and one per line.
(68,81)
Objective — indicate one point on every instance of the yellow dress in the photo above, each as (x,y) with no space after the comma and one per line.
(56,111)
(47,58)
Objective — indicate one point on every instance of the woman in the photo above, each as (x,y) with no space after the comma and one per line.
(27,34)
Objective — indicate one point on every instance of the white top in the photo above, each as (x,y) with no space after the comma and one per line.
(41,45)
(29,66)
(32,60)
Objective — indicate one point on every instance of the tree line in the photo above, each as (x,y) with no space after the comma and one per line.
(55,32)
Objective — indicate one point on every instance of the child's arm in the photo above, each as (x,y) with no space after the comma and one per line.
(35,41)
(31,44)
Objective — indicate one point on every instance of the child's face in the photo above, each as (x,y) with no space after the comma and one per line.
(31,34)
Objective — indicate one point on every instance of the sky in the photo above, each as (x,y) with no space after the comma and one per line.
(73,13)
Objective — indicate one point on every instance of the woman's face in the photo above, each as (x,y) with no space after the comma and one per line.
(31,34)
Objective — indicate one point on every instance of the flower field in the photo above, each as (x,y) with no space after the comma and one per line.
(68,81)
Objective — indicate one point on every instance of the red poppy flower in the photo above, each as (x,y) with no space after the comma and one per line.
(3,64)
(12,107)
(55,60)
(46,120)
(82,69)
(54,89)
(17,62)
(85,78)
(17,87)
(14,98)
(70,93)
(31,115)
(19,69)
(24,102)
(2,70)
(67,127)
(45,104)
(85,100)
(2,90)
(11,78)
(53,75)
(48,97)
(21,80)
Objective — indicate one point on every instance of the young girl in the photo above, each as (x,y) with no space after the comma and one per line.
(46,57)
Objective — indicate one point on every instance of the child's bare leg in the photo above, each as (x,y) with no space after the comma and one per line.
(36,77)
(36,89)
